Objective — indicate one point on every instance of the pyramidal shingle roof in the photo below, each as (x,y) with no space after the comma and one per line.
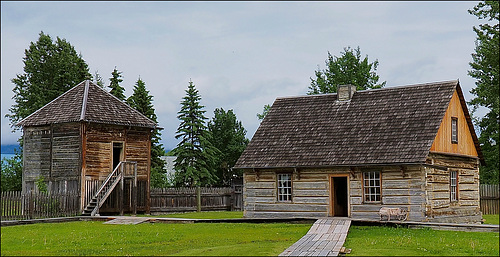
(87,102)
(378,126)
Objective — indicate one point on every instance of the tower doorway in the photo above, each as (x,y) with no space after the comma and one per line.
(117,153)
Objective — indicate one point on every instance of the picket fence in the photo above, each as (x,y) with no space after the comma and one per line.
(490,199)
(18,206)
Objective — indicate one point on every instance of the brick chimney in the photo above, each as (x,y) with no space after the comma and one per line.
(345,92)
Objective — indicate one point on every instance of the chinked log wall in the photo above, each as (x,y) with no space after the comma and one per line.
(401,186)
(311,193)
(421,190)
(439,207)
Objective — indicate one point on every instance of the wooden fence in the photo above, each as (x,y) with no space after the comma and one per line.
(490,199)
(18,206)
(184,199)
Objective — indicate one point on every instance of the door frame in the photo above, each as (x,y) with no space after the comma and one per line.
(122,152)
(332,190)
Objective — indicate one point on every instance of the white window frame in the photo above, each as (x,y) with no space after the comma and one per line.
(284,187)
(453,186)
(372,186)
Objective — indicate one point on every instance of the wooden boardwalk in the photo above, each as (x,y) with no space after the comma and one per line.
(127,220)
(324,238)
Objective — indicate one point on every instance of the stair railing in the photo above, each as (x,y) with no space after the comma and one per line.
(105,189)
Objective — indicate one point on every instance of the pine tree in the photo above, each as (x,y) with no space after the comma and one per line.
(114,84)
(142,101)
(485,69)
(98,79)
(195,155)
(228,136)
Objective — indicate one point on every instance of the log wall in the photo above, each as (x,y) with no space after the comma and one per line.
(68,153)
(98,155)
(99,140)
(401,187)
(422,190)
(52,152)
(439,207)
(310,194)
(36,155)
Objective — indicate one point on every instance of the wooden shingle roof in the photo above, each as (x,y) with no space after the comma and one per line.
(378,126)
(87,102)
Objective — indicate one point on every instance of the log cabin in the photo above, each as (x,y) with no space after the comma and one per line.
(351,153)
(77,140)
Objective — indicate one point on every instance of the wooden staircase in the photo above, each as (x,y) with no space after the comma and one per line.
(105,190)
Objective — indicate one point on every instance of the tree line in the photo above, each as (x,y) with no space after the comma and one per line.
(51,67)
(207,151)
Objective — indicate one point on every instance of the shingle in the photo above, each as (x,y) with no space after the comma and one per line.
(390,125)
(100,107)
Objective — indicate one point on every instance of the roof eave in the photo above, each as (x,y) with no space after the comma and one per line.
(332,165)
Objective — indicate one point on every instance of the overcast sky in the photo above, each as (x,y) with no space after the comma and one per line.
(240,55)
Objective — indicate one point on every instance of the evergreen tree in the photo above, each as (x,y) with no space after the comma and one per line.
(114,84)
(50,69)
(98,79)
(142,101)
(485,69)
(195,155)
(228,136)
(350,68)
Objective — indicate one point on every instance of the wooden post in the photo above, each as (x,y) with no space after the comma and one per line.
(134,189)
(232,198)
(198,198)
(31,204)
(121,197)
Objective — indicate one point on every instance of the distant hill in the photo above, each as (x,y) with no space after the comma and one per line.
(9,149)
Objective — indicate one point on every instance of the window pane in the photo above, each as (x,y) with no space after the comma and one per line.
(453,186)
(284,187)
(454,130)
(372,186)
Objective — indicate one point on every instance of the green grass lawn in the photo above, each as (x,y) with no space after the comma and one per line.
(491,219)
(392,241)
(96,238)
(232,239)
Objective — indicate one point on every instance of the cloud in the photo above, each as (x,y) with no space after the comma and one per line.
(241,55)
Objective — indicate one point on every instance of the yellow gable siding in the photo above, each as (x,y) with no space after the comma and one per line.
(442,142)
